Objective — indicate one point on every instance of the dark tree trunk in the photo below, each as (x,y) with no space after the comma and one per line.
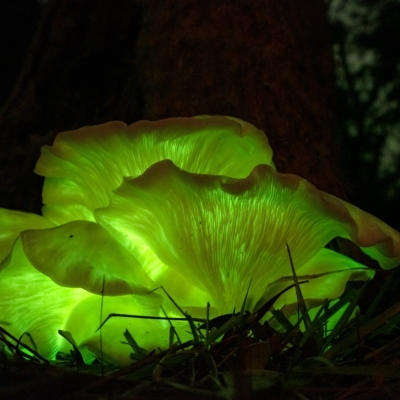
(267,62)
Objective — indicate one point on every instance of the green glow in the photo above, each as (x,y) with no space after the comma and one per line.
(228,230)
(85,253)
(84,166)
(12,223)
(191,204)
(31,302)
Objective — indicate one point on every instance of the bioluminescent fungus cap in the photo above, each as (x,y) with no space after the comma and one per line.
(12,222)
(30,302)
(82,167)
(191,204)
(83,254)
(218,232)
(377,239)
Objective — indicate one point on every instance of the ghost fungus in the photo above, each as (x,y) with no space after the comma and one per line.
(83,254)
(217,232)
(30,302)
(82,323)
(323,282)
(11,224)
(376,239)
(196,206)
(82,167)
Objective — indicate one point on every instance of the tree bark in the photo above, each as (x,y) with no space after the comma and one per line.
(267,62)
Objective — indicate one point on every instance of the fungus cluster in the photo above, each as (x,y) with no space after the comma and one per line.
(194,205)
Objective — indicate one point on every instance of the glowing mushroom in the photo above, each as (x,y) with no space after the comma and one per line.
(217,233)
(81,169)
(192,204)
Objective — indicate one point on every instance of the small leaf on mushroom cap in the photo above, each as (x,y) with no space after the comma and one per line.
(80,254)
(84,166)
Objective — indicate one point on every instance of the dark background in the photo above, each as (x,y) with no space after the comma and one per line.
(45,46)
(366,50)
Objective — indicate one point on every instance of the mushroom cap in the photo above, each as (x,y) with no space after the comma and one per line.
(191,204)
(12,223)
(83,166)
(30,302)
(83,322)
(83,254)
(216,232)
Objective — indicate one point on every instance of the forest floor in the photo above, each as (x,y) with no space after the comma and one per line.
(358,359)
